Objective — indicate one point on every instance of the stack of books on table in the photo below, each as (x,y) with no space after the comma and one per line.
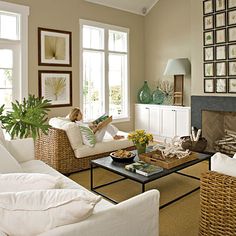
(143,168)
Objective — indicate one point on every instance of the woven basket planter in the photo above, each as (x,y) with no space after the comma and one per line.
(196,146)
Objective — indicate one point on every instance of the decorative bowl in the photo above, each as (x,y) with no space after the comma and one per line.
(122,159)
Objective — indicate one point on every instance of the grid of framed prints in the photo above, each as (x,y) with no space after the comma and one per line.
(219,46)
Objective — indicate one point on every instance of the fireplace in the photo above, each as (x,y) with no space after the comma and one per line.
(215,116)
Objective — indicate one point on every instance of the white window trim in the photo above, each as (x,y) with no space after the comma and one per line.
(106,27)
(23,11)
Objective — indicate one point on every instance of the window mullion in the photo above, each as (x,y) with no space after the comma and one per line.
(106,70)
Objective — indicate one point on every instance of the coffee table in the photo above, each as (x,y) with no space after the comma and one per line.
(119,168)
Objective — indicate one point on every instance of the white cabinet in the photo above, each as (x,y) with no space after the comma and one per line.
(163,121)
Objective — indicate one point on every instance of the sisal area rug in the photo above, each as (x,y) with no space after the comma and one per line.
(178,219)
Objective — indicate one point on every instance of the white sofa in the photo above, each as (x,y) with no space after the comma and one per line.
(137,216)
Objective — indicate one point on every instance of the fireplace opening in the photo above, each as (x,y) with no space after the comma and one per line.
(219,128)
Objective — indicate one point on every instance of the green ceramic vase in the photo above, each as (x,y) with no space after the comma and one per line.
(141,148)
(158,96)
(144,94)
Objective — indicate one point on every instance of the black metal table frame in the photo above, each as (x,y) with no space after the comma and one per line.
(93,188)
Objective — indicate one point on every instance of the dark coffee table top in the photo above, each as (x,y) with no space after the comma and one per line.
(119,168)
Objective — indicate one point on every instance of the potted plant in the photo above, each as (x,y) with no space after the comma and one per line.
(26,119)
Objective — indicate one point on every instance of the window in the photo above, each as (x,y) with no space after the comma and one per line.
(13,53)
(104,70)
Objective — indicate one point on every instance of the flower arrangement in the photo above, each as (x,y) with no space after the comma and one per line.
(140,137)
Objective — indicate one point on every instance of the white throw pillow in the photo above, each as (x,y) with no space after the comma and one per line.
(28,181)
(33,212)
(223,164)
(58,122)
(88,136)
(8,163)
(234,155)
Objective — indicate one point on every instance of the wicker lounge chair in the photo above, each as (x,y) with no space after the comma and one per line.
(55,150)
(218,205)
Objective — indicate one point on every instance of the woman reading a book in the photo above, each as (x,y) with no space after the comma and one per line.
(76,116)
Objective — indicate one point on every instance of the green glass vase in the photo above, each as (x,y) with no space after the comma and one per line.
(158,96)
(141,148)
(144,94)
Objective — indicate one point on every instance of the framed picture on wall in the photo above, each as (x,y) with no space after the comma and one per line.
(208,38)
(208,22)
(220,36)
(207,6)
(232,51)
(232,85)
(232,34)
(208,69)
(220,20)
(221,85)
(54,47)
(221,69)
(220,52)
(208,54)
(232,17)
(209,86)
(232,68)
(231,4)
(56,86)
(220,5)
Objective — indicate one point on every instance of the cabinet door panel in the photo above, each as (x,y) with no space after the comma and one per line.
(182,122)
(142,117)
(168,123)
(154,127)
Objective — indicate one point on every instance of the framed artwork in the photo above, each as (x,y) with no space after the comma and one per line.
(208,22)
(220,52)
(208,38)
(221,69)
(221,85)
(54,47)
(232,17)
(208,85)
(208,54)
(220,20)
(208,69)
(232,34)
(220,36)
(56,86)
(232,85)
(220,5)
(232,68)
(231,3)
(207,6)
(232,51)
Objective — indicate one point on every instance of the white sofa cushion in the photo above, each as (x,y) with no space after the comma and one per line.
(42,210)
(223,164)
(8,164)
(14,182)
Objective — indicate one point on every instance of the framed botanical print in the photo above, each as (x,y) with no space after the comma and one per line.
(232,51)
(54,47)
(208,22)
(209,86)
(221,69)
(220,5)
(208,38)
(208,54)
(231,4)
(232,34)
(207,6)
(232,17)
(221,85)
(232,85)
(220,36)
(220,52)
(232,68)
(208,69)
(56,86)
(220,20)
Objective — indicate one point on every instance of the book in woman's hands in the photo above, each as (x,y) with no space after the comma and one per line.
(143,168)
(101,122)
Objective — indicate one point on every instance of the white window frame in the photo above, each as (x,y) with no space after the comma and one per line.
(23,12)
(106,28)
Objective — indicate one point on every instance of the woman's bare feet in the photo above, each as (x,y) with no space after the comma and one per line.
(116,137)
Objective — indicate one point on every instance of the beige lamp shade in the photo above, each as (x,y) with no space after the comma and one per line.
(178,66)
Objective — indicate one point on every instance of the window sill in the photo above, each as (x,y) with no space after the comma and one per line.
(120,120)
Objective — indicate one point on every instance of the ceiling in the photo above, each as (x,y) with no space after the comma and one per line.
(141,7)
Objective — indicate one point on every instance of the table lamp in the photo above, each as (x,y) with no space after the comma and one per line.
(178,67)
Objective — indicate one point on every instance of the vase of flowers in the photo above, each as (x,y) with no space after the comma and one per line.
(140,139)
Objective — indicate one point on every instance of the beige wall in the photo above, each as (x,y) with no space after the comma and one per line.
(167,35)
(65,15)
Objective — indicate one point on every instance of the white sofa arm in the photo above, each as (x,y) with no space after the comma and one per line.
(137,216)
(21,149)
